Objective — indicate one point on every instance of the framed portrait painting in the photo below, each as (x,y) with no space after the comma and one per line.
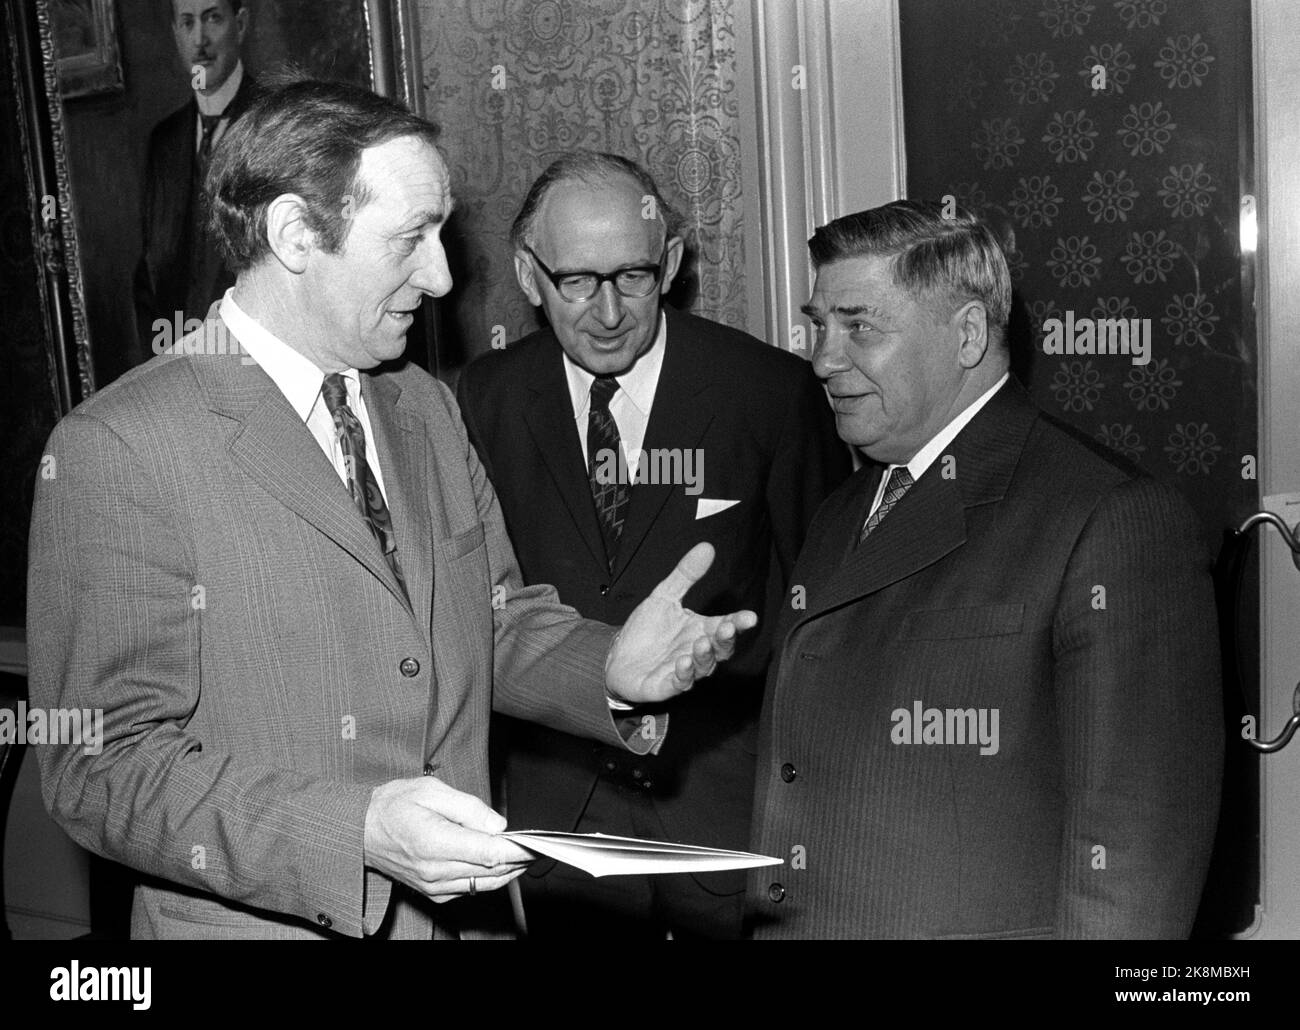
(113,75)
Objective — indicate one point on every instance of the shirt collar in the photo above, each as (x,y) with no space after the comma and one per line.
(294,373)
(216,103)
(926,456)
(638,382)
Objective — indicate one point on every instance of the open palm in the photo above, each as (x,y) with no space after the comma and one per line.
(664,648)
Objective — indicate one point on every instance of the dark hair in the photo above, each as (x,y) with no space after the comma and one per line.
(303,137)
(958,256)
(594,168)
(235,5)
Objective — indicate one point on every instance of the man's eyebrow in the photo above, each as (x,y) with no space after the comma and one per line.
(843,310)
(428,216)
(625,266)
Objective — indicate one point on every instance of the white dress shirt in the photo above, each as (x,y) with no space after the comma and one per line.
(300,381)
(630,406)
(926,456)
(216,103)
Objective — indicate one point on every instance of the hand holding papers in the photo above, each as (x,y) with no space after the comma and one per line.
(603,855)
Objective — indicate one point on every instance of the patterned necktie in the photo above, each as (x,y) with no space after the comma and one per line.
(210,122)
(900,481)
(361,478)
(604,452)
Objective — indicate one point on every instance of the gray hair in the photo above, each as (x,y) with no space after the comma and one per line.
(957,256)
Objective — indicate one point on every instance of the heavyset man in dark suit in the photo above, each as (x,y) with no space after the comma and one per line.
(274,560)
(748,432)
(180,271)
(999,713)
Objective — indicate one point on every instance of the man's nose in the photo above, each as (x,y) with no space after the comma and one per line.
(434,275)
(828,353)
(609,305)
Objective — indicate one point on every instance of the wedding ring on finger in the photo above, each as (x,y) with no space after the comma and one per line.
(473,887)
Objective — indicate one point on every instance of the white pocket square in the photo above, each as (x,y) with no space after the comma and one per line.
(705,507)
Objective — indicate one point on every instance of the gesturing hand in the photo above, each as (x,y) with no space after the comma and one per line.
(434,838)
(664,648)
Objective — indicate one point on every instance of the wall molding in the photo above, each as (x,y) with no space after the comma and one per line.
(826,137)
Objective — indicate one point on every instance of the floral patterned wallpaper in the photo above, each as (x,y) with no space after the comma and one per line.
(516,83)
(1108,141)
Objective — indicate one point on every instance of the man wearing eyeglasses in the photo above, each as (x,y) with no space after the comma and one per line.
(616,436)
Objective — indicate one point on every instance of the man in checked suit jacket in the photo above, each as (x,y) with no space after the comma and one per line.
(287,624)
(752,432)
(999,713)
(180,268)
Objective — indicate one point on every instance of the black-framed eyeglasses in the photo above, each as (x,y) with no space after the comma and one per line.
(576,287)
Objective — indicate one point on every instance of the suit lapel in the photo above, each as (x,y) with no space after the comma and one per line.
(402,447)
(930,520)
(277,451)
(678,419)
(928,523)
(555,435)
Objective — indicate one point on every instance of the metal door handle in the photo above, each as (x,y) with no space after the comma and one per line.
(1292,539)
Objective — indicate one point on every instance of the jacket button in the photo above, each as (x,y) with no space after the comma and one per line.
(788,772)
(325,920)
(647,784)
(604,589)
(409,667)
(775,893)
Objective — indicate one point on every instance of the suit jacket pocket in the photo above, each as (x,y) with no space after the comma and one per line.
(463,543)
(994,620)
(190,916)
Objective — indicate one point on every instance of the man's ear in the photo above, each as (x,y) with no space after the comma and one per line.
(672,262)
(972,322)
(287,234)
(527,277)
(241,23)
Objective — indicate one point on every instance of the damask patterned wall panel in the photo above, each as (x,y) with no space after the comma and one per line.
(516,83)
(1110,140)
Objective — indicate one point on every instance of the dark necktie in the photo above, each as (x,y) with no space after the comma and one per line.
(210,122)
(899,482)
(604,453)
(202,261)
(362,483)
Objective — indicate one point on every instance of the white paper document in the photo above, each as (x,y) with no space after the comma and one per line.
(602,855)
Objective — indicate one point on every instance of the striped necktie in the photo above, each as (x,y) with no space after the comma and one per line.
(604,452)
(362,483)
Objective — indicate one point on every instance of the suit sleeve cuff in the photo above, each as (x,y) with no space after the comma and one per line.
(339,893)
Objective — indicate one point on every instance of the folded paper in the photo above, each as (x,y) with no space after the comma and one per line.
(602,855)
